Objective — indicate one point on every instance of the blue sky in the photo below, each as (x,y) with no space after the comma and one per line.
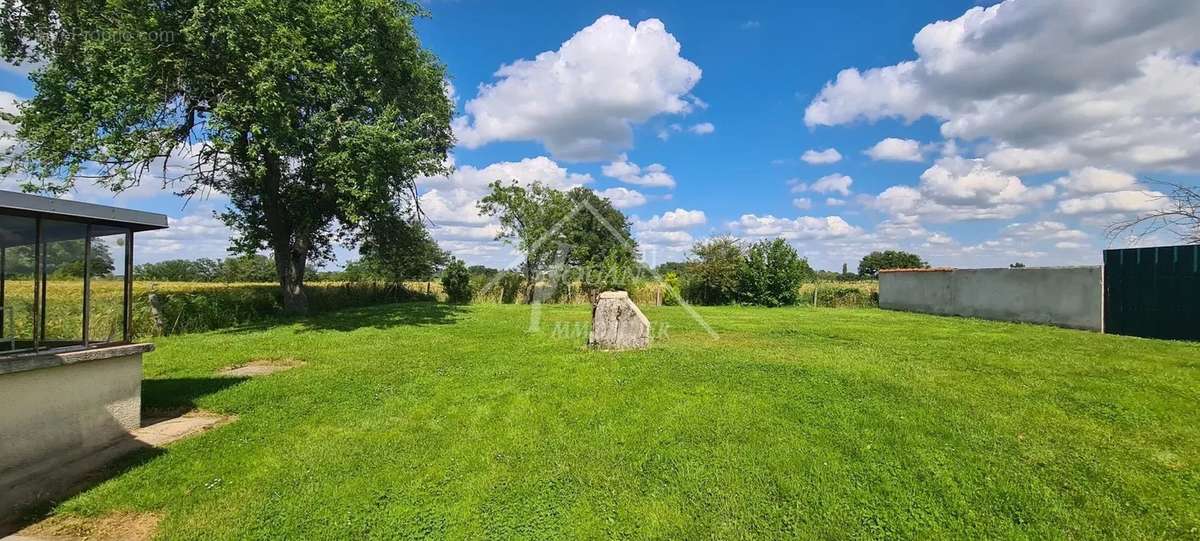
(976,135)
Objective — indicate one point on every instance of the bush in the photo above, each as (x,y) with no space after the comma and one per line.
(771,274)
(456,282)
(712,278)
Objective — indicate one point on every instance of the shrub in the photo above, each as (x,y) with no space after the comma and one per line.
(456,282)
(712,277)
(771,274)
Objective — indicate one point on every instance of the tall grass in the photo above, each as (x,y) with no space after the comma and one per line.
(861,294)
(178,307)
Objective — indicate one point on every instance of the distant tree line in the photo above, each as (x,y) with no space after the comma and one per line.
(250,268)
(724,270)
(64,260)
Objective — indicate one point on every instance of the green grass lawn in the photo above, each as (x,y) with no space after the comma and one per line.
(425,420)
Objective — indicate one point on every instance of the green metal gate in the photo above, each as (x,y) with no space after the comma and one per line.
(1153,292)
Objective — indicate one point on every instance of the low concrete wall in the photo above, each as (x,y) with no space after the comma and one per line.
(1063,296)
(57,409)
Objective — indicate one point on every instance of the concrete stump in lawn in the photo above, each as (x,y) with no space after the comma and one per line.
(617,324)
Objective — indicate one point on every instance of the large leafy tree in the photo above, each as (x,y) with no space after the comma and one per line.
(602,248)
(577,229)
(314,117)
(874,262)
(530,219)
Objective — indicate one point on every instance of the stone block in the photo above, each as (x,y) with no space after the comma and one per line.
(617,324)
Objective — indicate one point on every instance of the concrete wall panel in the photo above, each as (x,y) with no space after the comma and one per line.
(1063,296)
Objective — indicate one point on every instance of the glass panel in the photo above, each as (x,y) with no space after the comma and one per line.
(64,247)
(17,237)
(106,317)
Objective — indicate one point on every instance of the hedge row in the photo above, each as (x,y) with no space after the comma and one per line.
(182,307)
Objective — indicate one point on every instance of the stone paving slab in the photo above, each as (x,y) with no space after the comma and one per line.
(169,431)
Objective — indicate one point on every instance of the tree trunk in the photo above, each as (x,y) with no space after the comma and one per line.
(291,254)
(530,285)
(290,264)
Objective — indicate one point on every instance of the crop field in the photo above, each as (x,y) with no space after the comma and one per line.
(421,420)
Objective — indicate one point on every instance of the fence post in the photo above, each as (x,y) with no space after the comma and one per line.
(155,310)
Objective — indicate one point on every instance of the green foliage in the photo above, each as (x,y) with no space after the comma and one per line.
(602,248)
(456,282)
(840,294)
(482,271)
(510,284)
(712,274)
(874,262)
(205,308)
(396,251)
(678,267)
(578,235)
(179,270)
(1017,265)
(672,289)
(314,117)
(771,274)
(255,268)
(64,259)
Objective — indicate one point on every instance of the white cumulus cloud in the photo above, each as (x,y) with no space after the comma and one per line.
(956,188)
(1114,203)
(835,183)
(1090,180)
(818,157)
(654,175)
(675,220)
(623,198)
(802,228)
(703,128)
(1049,84)
(894,149)
(583,100)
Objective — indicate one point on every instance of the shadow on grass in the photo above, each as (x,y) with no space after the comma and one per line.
(382,316)
(162,396)
(416,314)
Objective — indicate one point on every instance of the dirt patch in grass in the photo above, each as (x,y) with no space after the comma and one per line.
(165,431)
(260,367)
(121,526)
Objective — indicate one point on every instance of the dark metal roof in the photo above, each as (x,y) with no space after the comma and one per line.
(136,220)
